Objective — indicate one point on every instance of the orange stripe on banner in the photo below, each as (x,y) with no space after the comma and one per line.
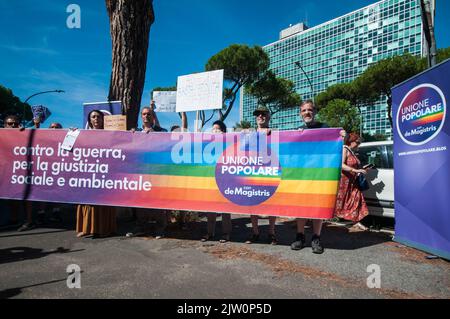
(209,183)
(263,210)
(210,196)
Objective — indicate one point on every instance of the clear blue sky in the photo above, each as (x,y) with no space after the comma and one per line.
(38,52)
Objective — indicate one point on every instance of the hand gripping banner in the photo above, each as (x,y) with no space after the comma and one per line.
(293,174)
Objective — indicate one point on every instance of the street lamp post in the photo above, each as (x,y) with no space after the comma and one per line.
(31,96)
(307,77)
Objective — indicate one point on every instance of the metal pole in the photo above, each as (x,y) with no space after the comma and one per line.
(428,12)
(307,77)
(28,98)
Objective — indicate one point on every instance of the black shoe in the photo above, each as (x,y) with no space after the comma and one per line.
(299,242)
(272,239)
(253,239)
(316,245)
(27,226)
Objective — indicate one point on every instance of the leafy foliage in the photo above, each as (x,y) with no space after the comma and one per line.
(11,105)
(274,92)
(248,67)
(242,125)
(340,113)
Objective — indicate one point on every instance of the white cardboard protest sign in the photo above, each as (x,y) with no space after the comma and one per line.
(70,140)
(165,101)
(200,91)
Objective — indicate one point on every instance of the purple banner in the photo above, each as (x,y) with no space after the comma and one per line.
(107,108)
(422,161)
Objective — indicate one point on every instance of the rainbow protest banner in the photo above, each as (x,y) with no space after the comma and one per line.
(293,174)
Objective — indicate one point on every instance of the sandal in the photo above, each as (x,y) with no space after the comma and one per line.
(253,238)
(225,238)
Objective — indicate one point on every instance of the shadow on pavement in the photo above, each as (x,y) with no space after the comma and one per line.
(333,236)
(12,292)
(8,255)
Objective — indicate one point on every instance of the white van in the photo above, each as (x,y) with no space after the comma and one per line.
(380,196)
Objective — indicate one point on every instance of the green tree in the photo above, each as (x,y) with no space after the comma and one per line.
(11,105)
(342,91)
(373,138)
(379,78)
(340,113)
(164,89)
(242,66)
(242,125)
(274,92)
(443,54)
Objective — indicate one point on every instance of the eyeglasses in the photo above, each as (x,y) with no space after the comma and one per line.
(261,114)
(12,123)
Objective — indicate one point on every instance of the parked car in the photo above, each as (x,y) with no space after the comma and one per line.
(380,196)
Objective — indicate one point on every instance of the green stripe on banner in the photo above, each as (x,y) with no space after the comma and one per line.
(320,174)
(176,170)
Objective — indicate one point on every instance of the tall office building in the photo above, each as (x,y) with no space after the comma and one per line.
(338,51)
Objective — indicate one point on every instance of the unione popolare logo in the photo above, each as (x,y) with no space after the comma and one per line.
(421,114)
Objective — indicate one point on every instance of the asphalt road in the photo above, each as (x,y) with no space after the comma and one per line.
(33,265)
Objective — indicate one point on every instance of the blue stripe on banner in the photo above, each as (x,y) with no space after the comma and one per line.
(328,147)
(292,160)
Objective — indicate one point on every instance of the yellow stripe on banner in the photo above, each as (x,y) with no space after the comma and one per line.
(308,187)
(286,186)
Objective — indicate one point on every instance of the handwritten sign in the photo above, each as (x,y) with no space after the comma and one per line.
(107,108)
(165,101)
(200,91)
(115,122)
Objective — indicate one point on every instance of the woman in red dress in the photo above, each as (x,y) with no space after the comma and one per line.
(350,203)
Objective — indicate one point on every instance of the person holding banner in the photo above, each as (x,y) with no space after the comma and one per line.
(12,121)
(350,203)
(99,221)
(308,112)
(262,114)
(184,128)
(150,122)
(218,127)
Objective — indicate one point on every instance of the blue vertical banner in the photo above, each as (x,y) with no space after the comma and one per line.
(107,108)
(422,161)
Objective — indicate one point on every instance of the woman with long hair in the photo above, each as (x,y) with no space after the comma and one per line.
(99,221)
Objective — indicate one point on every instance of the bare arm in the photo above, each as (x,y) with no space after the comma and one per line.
(347,168)
(184,122)
(155,117)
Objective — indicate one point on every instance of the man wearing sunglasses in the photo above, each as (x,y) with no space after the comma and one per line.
(262,116)
(11,121)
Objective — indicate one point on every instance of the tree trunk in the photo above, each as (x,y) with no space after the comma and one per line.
(130,23)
